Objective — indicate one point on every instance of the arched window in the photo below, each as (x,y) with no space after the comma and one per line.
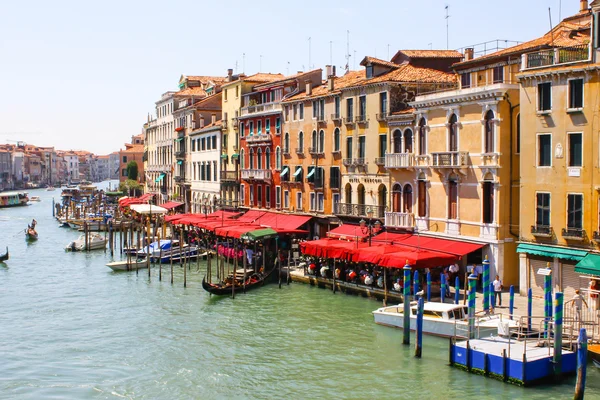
(397,198)
(487,200)
(408,141)
(382,193)
(518,138)
(407,198)
(453,197)
(336,139)
(348,193)
(422,187)
(361,194)
(301,141)
(422,137)
(286,142)
(489,132)
(321,141)
(259,159)
(313,141)
(453,133)
(251,159)
(267,158)
(242,159)
(278,158)
(397,141)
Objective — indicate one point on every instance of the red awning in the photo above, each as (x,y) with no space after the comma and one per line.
(251,216)
(347,232)
(454,247)
(174,218)
(372,254)
(283,221)
(329,248)
(146,196)
(417,258)
(171,204)
(237,231)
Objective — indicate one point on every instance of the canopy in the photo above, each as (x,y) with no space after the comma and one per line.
(174,218)
(160,177)
(260,234)
(454,247)
(148,209)
(251,216)
(564,253)
(589,265)
(171,204)
(373,254)
(329,248)
(347,232)
(282,221)
(417,258)
(311,173)
(298,172)
(236,231)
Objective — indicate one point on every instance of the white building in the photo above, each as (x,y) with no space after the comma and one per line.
(72,164)
(204,166)
(114,165)
(159,142)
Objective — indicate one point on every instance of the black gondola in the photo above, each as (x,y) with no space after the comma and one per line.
(253,281)
(30,232)
(4,257)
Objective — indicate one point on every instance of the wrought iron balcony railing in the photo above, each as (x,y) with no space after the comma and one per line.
(573,233)
(359,210)
(541,230)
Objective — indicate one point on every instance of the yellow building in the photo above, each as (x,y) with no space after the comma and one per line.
(560,183)
(233,90)
(462,170)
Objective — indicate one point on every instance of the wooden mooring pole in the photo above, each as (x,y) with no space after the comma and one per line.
(581,365)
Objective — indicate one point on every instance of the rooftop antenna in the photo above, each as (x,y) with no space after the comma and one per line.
(388,57)
(447,36)
(347,51)
(551,32)
(430,46)
(260,64)
(309,39)
(354,60)
(236,66)
(331,52)
(244,62)
(288,68)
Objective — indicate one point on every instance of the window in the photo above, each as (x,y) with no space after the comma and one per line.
(488,202)
(452,198)
(278,126)
(225,95)
(286,199)
(350,109)
(310,177)
(286,113)
(382,145)
(242,126)
(336,106)
(334,178)
(408,141)
(407,198)
(301,141)
(251,128)
(489,132)
(278,158)
(259,193)
(299,201)
(336,140)
(422,137)
(575,150)
(237,92)
(208,174)
(214,142)
(542,209)
(268,195)
(268,125)
(252,195)
(315,109)
(124,172)
(278,196)
(294,112)
(313,201)
(465,80)
(320,201)
(193,145)
(251,159)
(214,171)
(203,144)
(575,211)
(498,74)
(335,198)
(242,193)
(286,142)
(362,107)
(267,158)
(124,159)
(259,158)
(301,111)
(422,187)
(259,127)
(397,136)
(383,103)
(369,71)
(298,174)
(349,147)
(208,143)
(453,133)
(321,148)
(576,93)
(313,141)
(545,150)
(544,97)
(362,144)
(322,109)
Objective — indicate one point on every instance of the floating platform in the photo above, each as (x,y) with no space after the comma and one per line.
(519,362)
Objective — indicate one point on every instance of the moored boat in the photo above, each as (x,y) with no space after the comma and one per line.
(128,265)
(50,188)
(176,254)
(594,354)
(238,283)
(154,248)
(95,242)
(13,199)
(5,256)
(442,319)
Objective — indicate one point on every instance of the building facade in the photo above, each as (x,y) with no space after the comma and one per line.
(203,168)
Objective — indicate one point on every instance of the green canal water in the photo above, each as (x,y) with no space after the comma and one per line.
(70,328)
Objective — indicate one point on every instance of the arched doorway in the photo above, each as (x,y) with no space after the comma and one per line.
(397,141)
(348,193)
(361,194)
(382,193)
(407,198)
(397,198)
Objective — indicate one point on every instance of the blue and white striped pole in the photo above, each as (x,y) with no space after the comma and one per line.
(547,301)
(471,307)
(558,332)
(486,285)
(406,300)
(493,298)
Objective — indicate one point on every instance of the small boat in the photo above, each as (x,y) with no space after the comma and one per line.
(251,279)
(5,256)
(13,199)
(594,354)
(31,234)
(95,242)
(128,265)
(176,254)
(442,319)
(155,248)
(50,188)
(35,198)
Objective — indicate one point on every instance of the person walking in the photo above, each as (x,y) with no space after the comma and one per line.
(577,302)
(498,290)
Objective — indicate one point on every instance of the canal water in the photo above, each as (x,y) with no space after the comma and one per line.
(70,328)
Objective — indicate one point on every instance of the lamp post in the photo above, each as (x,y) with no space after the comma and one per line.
(369,227)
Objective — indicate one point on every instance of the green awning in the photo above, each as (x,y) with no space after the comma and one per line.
(590,265)
(179,139)
(311,173)
(234,155)
(160,178)
(260,234)
(298,172)
(284,172)
(179,162)
(564,253)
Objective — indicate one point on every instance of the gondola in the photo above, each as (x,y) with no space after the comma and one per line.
(4,257)
(31,234)
(253,281)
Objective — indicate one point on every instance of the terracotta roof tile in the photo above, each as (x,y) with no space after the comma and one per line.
(288,78)
(377,61)
(206,79)
(263,77)
(430,53)
(404,112)
(192,91)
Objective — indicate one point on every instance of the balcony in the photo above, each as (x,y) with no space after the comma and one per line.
(557,56)
(336,117)
(224,124)
(361,119)
(315,152)
(179,179)
(349,120)
(399,160)
(347,161)
(399,220)
(380,161)
(321,120)
(490,159)
(236,123)
(575,234)
(266,108)
(358,210)
(449,159)
(299,150)
(542,231)
(256,174)
(382,117)
(596,236)
(229,176)
(260,138)
(422,160)
(359,161)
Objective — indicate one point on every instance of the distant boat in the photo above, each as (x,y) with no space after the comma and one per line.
(50,188)
(35,198)
(13,199)
(95,242)
(4,257)
(31,234)
(243,280)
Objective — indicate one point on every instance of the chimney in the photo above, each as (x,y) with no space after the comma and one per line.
(583,5)
(213,118)
(468,53)
(229,75)
(330,77)
(308,87)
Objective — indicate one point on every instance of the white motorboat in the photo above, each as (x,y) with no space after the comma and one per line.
(35,198)
(125,265)
(155,248)
(50,188)
(95,242)
(443,319)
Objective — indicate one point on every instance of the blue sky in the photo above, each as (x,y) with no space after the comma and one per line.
(84,75)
